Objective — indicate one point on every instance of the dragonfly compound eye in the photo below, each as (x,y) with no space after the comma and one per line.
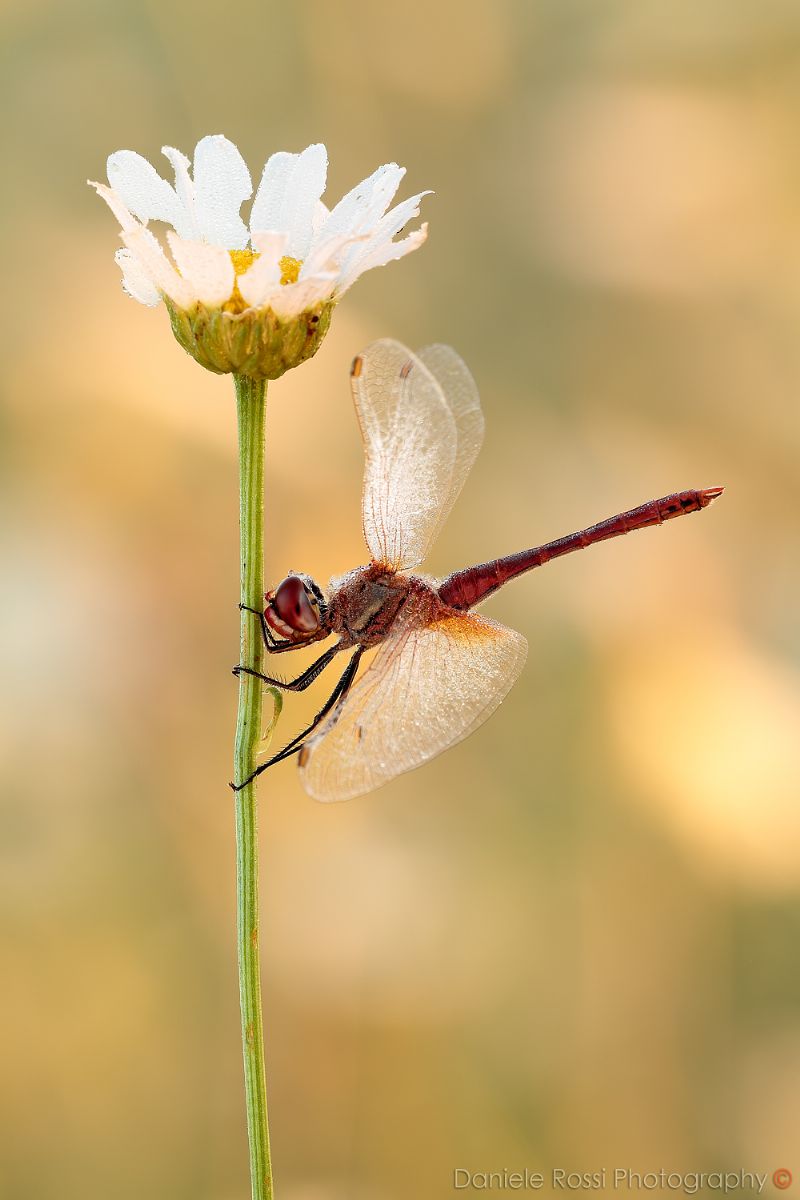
(296,606)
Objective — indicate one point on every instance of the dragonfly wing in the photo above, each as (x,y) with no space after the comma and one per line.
(410,442)
(425,690)
(461,393)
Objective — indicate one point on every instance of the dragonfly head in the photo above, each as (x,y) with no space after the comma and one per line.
(296,610)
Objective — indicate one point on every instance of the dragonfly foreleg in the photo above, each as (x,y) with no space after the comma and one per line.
(293,685)
(273,646)
(337,695)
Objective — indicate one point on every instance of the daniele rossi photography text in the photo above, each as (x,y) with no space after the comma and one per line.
(622,1179)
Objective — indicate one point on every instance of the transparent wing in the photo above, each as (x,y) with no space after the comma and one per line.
(425,690)
(461,393)
(422,427)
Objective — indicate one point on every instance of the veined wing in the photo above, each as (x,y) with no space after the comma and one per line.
(461,393)
(425,690)
(422,427)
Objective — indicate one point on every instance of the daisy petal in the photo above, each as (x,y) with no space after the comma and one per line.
(293,235)
(397,217)
(114,202)
(143,191)
(267,206)
(328,255)
(384,253)
(365,204)
(289,301)
(185,192)
(320,216)
(208,270)
(270,244)
(387,180)
(304,188)
(221,185)
(135,280)
(381,234)
(288,196)
(153,261)
(264,277)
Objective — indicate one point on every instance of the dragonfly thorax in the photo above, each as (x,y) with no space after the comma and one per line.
(365,605)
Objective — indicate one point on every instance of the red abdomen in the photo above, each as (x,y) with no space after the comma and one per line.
(464,589)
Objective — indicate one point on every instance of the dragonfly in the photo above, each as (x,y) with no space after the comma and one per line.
(440,669)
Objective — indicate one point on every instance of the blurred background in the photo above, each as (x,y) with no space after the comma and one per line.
(571,941)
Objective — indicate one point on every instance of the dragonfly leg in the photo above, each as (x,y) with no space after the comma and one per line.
(302,681)
(273,646)
(337,695)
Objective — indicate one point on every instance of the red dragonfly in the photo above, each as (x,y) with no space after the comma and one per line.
(440,669)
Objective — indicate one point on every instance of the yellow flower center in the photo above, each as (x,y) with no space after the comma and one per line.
(290,269)
(242,261)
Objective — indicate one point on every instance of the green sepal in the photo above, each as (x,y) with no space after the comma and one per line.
(255,343)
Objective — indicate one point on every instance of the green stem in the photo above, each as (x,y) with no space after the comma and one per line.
(251,408)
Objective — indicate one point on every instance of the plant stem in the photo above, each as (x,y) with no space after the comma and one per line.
(251,408)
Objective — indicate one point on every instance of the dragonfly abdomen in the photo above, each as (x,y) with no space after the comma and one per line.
(464,589)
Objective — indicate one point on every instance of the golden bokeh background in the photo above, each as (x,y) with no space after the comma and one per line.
(573,940)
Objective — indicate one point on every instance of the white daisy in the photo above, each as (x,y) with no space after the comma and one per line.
(297,253)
